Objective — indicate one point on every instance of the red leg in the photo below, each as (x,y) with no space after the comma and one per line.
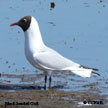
(45,82)
(49,82)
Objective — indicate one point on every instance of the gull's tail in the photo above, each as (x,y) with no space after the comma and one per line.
(84,71)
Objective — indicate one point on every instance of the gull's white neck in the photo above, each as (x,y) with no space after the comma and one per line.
(33,39)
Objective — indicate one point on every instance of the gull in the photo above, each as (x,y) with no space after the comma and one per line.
(45,58)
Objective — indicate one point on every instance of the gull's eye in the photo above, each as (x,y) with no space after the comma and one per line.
(25,20)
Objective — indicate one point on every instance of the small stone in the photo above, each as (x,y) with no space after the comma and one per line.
(52,5)
(9,66)
(7,62)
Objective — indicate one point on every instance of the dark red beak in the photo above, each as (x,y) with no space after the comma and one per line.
(16,23)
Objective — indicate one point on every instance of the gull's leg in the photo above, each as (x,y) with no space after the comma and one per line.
(45,81)
(50,82)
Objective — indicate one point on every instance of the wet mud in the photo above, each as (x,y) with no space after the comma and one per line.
(49,99)
(34,96)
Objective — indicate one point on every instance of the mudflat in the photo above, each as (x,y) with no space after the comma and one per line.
(51,98)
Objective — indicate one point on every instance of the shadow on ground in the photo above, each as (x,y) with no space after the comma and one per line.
(27,87)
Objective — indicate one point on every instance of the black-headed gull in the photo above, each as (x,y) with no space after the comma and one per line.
(45,58)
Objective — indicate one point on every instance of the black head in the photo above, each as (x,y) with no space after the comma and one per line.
(24,23)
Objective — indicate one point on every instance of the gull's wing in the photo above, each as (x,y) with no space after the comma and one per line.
(50,59)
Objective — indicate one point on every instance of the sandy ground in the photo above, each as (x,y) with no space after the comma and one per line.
(53,98)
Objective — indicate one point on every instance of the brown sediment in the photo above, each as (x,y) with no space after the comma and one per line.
(52,4)
(49,98)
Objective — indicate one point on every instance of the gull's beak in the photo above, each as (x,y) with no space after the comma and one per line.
(16,23)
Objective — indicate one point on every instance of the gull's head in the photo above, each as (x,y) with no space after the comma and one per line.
(24,23)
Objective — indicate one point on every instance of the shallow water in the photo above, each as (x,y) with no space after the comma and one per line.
(75,28)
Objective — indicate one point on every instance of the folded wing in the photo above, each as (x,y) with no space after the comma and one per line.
(50,59)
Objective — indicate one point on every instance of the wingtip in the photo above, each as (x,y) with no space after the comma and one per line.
(96,74)
(95,69)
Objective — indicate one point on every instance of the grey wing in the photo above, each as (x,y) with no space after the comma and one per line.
(51,59)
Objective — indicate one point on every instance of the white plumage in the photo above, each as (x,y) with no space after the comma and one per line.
(47,59)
